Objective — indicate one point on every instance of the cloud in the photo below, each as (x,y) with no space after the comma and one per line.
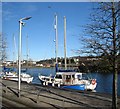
(13,10)
(30,8)
(7,12)
(7,15)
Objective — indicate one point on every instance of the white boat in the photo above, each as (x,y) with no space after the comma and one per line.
(74,80)
(68,78)
(11,75)
(26,77)
(46,80)
(1,74)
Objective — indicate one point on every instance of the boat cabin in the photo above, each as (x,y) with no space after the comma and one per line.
(71,78)
(68,78)
(58,77)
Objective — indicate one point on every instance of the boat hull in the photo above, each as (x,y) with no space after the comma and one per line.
(27,79)
(81,85)
(46,83)
(46,80)
(74,87)
(11,78)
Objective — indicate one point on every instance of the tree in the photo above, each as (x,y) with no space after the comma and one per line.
(103,37)
(3,46)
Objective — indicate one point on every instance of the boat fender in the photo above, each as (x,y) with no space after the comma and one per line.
(58,85)
(44,83)
(53,84)
(93,81)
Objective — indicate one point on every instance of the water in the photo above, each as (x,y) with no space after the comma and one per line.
(35,72)
(104,80)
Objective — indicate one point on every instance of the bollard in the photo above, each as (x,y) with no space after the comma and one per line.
(44,83)
(53,84)
(6,89)
(58,85)
(63,103)
(37,99)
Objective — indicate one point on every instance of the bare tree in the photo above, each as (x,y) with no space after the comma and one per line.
(103,38)
(3,47)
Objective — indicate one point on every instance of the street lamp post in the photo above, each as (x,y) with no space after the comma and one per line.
(19,52)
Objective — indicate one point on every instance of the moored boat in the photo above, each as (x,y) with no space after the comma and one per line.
(69,79)
(10,74)
(46,80)
(75,80)
(26,77)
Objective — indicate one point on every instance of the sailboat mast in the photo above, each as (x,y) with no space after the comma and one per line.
(27,51)
(56,38)
(65,42)
(13,50)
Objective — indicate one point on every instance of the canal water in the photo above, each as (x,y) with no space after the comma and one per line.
(104,80)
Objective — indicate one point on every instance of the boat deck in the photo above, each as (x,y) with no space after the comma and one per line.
(33,96)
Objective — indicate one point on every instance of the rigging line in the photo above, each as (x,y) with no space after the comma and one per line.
(90,76)
(96,75)
(51,30)
(15,48)
(50,43)
(13,53)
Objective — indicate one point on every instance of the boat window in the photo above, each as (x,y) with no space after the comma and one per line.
(47,79)
(84,76)
(58,76)
(52,79)
(79,77)
(73,76)
(68,76)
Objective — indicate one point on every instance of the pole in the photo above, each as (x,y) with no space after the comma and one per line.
(27,52)
(13,50)
(115,75)
(65,42)
(19,51)
(56,39)
(19,57)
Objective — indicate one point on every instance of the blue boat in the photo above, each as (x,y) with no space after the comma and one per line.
(69,79)
(74,80)
(75,87)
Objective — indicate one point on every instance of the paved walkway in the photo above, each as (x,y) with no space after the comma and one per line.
(41,96)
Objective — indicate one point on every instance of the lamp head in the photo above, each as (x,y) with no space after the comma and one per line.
(25,18)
